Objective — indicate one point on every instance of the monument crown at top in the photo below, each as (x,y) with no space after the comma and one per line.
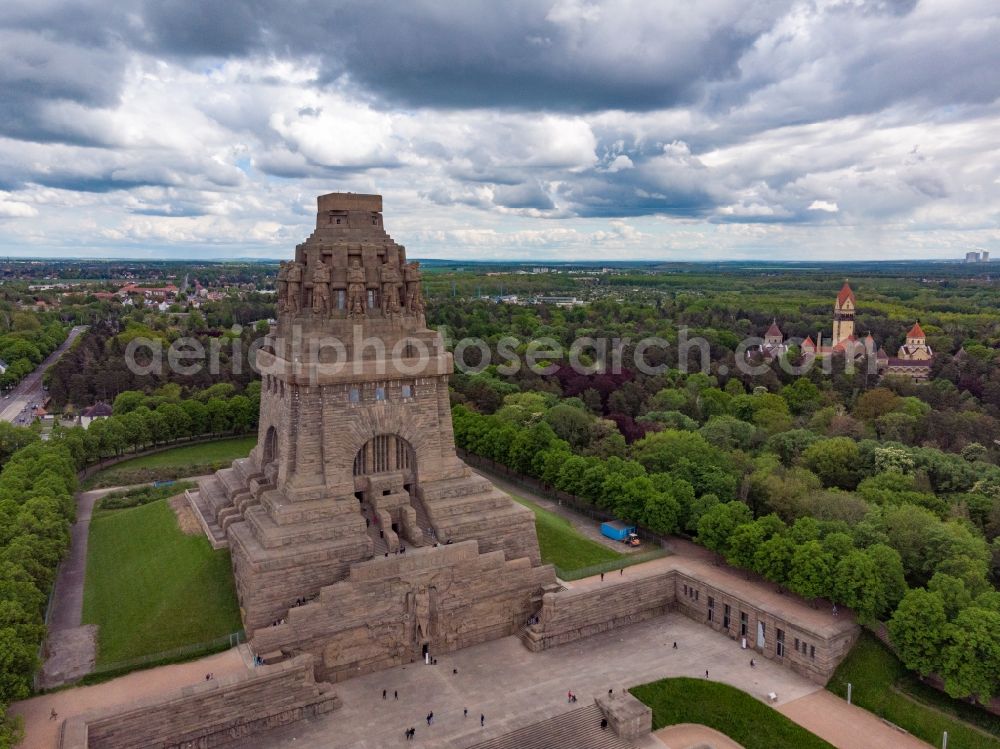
(345,202)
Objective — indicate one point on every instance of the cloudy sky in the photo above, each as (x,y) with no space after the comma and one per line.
(527,129)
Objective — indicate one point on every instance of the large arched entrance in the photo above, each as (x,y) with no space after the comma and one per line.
(386,453)
(385,483)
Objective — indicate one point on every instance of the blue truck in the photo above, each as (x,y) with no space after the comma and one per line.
(619,531)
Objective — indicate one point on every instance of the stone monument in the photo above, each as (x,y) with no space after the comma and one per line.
(356,533)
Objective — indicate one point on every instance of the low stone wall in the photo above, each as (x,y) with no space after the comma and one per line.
(628,718)
(216,713)
(572,614)
(779,627)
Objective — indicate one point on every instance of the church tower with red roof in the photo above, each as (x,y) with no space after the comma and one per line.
(843,315)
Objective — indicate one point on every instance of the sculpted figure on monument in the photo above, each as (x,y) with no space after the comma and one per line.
(321,289)
(414,297)
(282,284)
(390,279)
(294,304)
(422,605)
(356,288)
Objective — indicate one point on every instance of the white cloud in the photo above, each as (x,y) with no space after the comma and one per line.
(731,128)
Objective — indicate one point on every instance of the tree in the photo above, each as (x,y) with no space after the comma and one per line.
(217,415)
(529,443)
(889,568)
(728,433)
(857,584)
(699,507)
(907,527)
(743,545)
(659,452)
(773,558)
(917,628)
(802,396)
(875,403)
(835,461)
(661,513)
(952,592)
(893,459)
(791,444)
(718,524)
(570,424)
(811,570)
(970,660)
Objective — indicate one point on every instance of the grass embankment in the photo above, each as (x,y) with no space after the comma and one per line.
(151,588)
(746,720)
(883,685)
(564,546)
(177,462)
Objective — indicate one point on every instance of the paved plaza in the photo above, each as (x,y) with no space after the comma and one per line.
(514,687)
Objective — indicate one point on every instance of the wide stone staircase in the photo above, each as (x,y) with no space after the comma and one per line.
(423,520)
(223,498)
(471,506)
(576,729)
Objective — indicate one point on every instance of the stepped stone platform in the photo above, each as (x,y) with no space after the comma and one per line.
(577,729)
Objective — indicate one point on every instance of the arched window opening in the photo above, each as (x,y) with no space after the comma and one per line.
(386,453)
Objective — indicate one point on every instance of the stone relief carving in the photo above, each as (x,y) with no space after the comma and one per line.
(390,280)
(321,278)
(414,296)
(356,288)
(294,304)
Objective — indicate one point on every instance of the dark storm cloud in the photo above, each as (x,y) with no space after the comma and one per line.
(527,55)
(40,69)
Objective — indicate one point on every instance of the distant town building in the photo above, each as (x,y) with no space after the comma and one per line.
(160,292)
(913,359)
(100,410)
(559,301)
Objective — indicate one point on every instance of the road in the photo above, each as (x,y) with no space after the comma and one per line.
(16,405)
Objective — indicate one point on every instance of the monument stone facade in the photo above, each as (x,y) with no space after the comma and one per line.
(356,532)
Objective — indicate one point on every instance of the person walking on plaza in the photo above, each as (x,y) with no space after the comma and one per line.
(482,720)
(430,717)
(383,694)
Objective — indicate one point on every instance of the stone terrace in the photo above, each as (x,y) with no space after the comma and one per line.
(515,688)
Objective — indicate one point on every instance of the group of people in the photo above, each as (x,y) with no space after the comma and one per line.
(410,732)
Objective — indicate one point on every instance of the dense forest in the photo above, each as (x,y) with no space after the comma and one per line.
(879,494)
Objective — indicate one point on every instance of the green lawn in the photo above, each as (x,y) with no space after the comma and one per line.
(564,546)
(151,588)
(881,684)
(177,462)
(746,720)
